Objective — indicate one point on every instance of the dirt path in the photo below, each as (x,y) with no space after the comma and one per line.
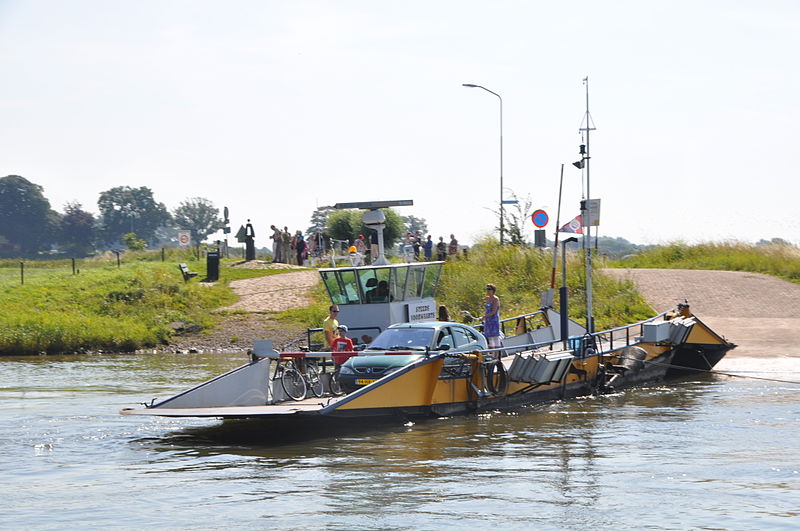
(258,299)
(274,293)
(759,313)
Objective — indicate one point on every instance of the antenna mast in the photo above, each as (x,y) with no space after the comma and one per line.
(588,125)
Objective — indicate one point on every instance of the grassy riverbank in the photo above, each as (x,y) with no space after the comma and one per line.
(778,260)
(105,307)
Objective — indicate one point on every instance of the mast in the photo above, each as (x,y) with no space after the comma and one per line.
(585,221)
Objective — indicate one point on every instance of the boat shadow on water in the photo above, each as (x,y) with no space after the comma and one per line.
(275,433)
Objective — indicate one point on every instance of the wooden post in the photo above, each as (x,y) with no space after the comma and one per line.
(162,255)
(73,266)
(22,272)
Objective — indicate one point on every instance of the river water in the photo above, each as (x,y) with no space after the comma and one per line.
(710,452)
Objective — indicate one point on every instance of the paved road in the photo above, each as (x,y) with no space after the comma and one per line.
(759,313)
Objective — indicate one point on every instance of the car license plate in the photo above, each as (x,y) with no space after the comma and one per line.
(365,381)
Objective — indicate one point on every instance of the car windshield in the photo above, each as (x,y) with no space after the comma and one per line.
(403,339)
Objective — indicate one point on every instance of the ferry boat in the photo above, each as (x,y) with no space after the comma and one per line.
(534,365)
(544,356)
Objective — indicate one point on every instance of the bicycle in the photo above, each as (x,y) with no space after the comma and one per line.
(296,383)
(335,384)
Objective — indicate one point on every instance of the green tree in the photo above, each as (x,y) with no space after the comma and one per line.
(516,218)
(125,209)
(198,215)
(413,224)
(133,243)
(78,230)
(319,220)
(26,219)
(348,224)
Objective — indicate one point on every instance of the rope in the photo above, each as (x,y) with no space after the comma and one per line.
(711,371)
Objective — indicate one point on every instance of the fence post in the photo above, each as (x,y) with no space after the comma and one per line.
(21,272)
(73,266)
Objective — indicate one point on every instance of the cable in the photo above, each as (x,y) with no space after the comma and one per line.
(710,371)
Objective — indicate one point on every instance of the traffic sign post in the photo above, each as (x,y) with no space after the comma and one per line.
(540,218)
(184,238)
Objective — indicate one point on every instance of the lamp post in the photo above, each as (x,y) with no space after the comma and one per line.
(470,85)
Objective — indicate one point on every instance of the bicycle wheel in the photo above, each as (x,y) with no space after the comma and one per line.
(293,384)
(314,381)
(336,385)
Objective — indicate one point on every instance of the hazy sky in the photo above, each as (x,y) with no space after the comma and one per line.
(273,108)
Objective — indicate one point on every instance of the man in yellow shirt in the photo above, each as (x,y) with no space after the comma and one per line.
(330,324)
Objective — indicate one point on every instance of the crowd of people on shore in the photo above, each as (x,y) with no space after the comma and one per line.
(296,249)
(415,248)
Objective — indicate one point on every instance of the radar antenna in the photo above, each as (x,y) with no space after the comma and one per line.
(376,220)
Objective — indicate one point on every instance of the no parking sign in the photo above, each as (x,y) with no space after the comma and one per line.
(184,238)
(540,218)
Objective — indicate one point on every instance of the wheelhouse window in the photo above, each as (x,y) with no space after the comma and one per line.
(397,286)
(342,287)
(375,285)
(381,284)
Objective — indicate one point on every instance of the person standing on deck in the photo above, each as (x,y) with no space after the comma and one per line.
(491,317)
(330,324)
(342,346)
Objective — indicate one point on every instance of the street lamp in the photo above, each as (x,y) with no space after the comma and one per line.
(470,85)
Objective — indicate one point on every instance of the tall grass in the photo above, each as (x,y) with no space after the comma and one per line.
(522,274)
(102,308)
(779,260)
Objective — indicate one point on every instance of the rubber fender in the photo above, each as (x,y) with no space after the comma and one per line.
(633,358)
(496,378)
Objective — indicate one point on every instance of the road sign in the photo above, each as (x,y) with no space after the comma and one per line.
(184,238)
(540,218)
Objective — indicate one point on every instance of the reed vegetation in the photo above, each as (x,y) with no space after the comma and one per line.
(522,274)
(780,260)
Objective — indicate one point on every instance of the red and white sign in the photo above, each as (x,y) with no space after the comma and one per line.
(540,218)
(184,238)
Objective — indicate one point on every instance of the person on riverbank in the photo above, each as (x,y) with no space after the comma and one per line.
(441,250)
(286,245)
(330,324)
(276,244)
(452,247)
(491,317)
(300,249)
(428,248)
